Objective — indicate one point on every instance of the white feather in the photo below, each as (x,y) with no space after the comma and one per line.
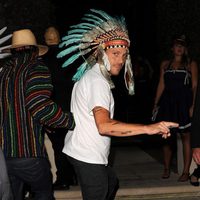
(106,62)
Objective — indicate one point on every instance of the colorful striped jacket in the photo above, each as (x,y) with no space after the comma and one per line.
(25,107)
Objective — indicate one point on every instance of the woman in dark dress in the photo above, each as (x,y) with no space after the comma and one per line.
(175,100)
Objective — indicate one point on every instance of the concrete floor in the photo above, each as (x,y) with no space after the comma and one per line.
(139,173)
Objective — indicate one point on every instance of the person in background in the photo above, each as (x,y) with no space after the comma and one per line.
(65,175)
(143,89)
(5,189)
(26,107)
(106,42)
(174,100)
(195,138)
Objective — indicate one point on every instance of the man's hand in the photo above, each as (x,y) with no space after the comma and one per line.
(196,155)
(162,128)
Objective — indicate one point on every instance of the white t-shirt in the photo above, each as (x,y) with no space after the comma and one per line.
(85,143)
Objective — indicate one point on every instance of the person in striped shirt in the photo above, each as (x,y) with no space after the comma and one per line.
(26,108)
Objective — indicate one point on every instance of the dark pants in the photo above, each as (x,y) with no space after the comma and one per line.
(65,172)
(5,189)
(97,182)
(35,172)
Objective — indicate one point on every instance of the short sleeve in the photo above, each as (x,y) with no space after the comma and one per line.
(99,94)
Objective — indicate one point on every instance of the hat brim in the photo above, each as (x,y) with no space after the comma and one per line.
(180,42)
(42,48)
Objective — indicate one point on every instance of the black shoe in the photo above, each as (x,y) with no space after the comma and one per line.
(60,186)
(195,183)
(166,174)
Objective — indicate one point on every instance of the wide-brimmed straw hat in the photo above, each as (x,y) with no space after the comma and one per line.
(25,37)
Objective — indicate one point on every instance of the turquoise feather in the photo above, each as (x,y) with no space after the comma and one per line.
(83,25)
(102,13)
(68,42)
(91,20)
(77,31)
(94,17)
(122,22)
(71,60)
(80,71)
(67,51)
(72,36)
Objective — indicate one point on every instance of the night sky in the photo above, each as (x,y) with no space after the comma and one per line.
(140,18)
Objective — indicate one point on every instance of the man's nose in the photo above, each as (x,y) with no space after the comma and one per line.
(121,60)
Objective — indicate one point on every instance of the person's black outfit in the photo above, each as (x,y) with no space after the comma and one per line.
(195,133)
(61,95)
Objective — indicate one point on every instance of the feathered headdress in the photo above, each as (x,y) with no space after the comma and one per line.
(98,32)
(2,40)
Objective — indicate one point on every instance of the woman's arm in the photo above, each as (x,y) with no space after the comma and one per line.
(161,84)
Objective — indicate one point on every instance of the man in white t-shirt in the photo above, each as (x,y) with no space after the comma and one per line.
(92,103)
